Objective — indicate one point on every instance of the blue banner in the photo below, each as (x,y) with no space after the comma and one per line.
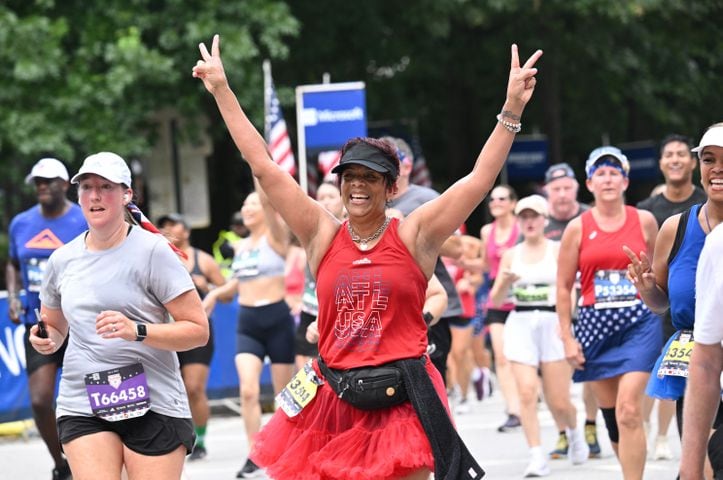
(14,394)
(527,159)
(643,158)
(222,381)
(332,114)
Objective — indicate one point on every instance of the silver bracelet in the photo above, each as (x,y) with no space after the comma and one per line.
(509,126)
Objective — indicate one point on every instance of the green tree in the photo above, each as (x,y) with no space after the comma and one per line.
(87,76)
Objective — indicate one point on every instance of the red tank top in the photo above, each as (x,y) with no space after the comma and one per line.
(370,302)
(601,250)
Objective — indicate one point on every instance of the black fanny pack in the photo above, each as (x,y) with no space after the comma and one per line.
(367,388)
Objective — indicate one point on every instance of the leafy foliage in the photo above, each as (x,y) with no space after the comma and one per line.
(83,76)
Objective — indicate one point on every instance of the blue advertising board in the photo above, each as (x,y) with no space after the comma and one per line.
(527,159)
(332,113)
(643,158)
(14,395)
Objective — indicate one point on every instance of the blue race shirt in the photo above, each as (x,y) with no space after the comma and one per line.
(681,273)
(32,239)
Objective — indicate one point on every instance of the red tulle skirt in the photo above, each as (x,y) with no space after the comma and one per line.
(332,440)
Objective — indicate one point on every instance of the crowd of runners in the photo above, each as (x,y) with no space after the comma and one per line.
(378,281)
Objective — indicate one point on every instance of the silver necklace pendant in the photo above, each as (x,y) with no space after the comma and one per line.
(364,242)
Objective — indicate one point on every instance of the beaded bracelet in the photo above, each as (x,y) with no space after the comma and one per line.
(509,126)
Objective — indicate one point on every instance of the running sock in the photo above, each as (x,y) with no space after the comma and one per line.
(200,435)
(536,452)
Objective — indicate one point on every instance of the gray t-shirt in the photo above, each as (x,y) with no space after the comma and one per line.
(415,196)
(135,278)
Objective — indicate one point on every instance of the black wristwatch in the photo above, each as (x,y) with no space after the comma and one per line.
(428,317)
(141,332)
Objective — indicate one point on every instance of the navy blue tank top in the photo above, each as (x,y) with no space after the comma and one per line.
(681,273)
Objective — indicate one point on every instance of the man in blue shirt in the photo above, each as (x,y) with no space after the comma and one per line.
(34,234)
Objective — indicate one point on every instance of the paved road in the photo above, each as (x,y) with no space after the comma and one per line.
(503,455)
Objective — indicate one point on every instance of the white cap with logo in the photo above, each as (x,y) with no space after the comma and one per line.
(107,165)
(713,137)
(47,168)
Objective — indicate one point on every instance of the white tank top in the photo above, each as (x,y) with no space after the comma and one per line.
(537,284)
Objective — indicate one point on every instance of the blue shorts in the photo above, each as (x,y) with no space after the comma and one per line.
(266,330)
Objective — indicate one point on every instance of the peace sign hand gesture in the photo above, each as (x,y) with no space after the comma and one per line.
(210,68)
(640,272)
(522,80)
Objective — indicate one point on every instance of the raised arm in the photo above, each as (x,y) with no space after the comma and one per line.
(279,237)
(306,218)
(442,216)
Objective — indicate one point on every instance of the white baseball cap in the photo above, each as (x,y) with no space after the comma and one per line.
(713,137)
(47,168)
(107,165)
(607,152)
(536,203)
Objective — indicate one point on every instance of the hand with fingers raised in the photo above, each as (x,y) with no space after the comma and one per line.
(210,68)
(521,83)
(640,271)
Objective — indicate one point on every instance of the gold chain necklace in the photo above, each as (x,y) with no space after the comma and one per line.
(364,242)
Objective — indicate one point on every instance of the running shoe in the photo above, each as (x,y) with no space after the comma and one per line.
(478,383)
(199,452)
(662,449)
(512,422)
(537,467)
(483,384)
(579,450)
(462,407)
(561,447)
(62,472)
(591,439)
(250,470)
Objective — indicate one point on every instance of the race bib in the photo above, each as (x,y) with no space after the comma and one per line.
(614,290)
(299,392)
(677,357)
(118,394)
(246,264)
(36,271)
(531,293)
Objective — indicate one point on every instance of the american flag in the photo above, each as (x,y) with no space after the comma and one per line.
(275,131)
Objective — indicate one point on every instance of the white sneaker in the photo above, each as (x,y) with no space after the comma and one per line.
(662,449)
(538,467)
(579,450)
(462,407)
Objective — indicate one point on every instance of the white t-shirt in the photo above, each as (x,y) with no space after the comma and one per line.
(708,329)
(135,278)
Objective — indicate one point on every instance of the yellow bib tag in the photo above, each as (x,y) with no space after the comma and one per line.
(677,356)
(300,391)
